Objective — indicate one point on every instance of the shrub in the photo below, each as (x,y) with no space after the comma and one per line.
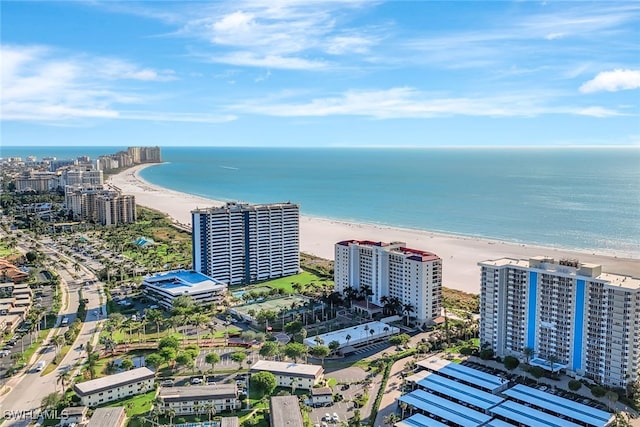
(486,354)
(511,362)
(466,351)
(574,385)
(536,371)
(598,391)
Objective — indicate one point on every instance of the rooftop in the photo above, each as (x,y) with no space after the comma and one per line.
(285,412)
(235,206)
(559,405)
(287,368)
(414,254)
(230,422)
(181,282)
(321,391)
(463,373)
(111,381)
(205,392)
(445,409)
(529,416)
(419,420)
(357,334)
(460,392)
(107,417)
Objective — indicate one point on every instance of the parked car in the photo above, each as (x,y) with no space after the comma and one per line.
(196,381)
(167,383)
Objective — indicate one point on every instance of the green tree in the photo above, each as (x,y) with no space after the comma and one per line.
(184,359)
(51,401)
(511,362)
(528,353)
(126,364)
(574,385)
(154,361)
(269,349)
(295,351)
(156,317)
(320,351)
(263,382)
(239,357)
(401,339)
(293,327)
(212,358)
(169,342)
(63,378)
(168,354)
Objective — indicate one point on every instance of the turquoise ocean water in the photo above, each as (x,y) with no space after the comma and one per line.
(582,198)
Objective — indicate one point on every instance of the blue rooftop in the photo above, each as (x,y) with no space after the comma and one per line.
(445,409)
(419,420)
(529,416)
(460,392)
(463,373)
(559,405)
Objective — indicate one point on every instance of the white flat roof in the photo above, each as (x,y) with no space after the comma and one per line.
(560,405)
(463,373)
(529,416)
(445,409)
(116,380)
(358,334)
(460,392)
(183,282)
(419,420)
(288,368)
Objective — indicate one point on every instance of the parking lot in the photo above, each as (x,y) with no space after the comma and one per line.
(348,389)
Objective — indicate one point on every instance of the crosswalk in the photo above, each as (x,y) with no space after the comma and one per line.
(370,348)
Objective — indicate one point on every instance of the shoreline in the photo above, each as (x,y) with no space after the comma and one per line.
(460,254)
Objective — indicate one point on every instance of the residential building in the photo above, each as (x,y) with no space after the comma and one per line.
(115,208)
(108,417)
(321,396)
(200,399)
(391,270)
(285,411)
(113,387)
(163,288)
(289,374)
(240,243)
(83,176)
(230,422)
(37,182)
(144,154)
(571,315)
(73,415)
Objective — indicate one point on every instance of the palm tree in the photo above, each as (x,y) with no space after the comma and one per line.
(58,341)
(211,410)
(408,308)
(199,320)
(170,412)
(552,359)
(348,338)
(63,378)
(391,419)
(528,353)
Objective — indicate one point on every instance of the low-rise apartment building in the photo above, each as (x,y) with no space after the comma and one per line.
(285,411)
(108,417)
(289,374)
(163,288)
(200,399)
(113,387)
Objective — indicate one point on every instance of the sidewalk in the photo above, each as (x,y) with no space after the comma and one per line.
(392,393)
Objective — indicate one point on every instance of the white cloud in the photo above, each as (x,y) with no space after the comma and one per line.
(42,85)
(612,81)
(405,102)
(269,61)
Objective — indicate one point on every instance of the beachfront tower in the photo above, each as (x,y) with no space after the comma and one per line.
(390,272)
(240,243)
(570,314)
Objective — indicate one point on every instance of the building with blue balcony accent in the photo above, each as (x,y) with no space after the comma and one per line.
(571,316)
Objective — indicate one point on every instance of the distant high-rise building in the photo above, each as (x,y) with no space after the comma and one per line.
(86,175)
(391,270)
(241,243)
(144,154)
(114,208)
(566,313)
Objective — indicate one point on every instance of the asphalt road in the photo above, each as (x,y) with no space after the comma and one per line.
(28,390)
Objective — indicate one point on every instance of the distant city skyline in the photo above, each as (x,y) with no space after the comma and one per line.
(320,73)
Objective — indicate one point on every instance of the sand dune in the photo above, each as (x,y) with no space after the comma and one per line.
(459,254)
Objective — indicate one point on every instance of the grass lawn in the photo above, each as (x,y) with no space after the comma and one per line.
(286,283)
(474,342)
(29,351)
(135,405)
(331,382)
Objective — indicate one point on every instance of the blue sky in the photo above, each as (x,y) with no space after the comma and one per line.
(320,73)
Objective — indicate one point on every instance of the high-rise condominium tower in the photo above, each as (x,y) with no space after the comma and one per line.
(391,270)
(241,243)
(564,313)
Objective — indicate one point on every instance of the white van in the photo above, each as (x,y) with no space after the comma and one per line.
(65,321)
(40,366)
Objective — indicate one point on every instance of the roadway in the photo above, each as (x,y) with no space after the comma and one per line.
(28,389)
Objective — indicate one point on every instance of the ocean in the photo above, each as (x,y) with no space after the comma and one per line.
(575,198)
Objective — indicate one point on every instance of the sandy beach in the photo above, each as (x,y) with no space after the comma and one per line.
(459,254)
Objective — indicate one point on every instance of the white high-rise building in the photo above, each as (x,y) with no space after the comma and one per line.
(569,313)
(240,243)
(391,270)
